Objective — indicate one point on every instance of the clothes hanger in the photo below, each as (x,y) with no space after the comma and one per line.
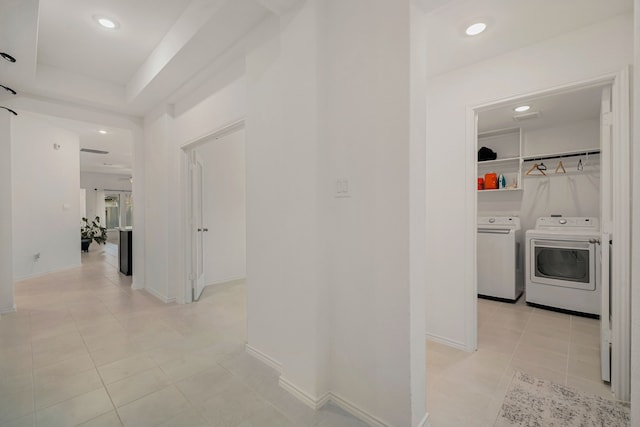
(542,167)
(536,167)
(560,167)
(580,166)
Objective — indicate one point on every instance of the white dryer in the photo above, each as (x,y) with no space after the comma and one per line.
(499,260)
(562,265)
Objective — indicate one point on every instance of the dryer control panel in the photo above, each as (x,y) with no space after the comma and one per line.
(586,223)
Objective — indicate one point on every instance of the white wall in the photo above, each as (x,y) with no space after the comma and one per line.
(158,200)
(46,203)
(326,301)
(576,56)
(224,208)
(582,135)
(105,181)
(6,214)
(368,136)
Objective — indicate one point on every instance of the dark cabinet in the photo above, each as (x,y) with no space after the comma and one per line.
(125,252)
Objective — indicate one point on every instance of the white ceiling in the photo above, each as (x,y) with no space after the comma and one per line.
(70,40)
(511,24)
(63,54)
(157,55)
(567,107)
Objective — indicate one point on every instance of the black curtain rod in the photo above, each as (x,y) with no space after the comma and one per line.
(561,156)
(115,191)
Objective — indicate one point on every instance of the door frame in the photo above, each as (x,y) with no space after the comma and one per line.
(185,295)
(621,227)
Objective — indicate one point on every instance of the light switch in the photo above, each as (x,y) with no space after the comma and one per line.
(342,188)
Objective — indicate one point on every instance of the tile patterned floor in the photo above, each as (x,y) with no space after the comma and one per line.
(467,389)
(84,349)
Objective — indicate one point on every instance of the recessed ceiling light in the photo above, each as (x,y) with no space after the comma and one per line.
(521,109)
(475,29)
(107,23)
(102,131)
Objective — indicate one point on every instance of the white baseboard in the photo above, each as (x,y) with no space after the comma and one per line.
(446,341)
(308,399)
(158,295)
(44,273)
(267,360)
(315,402)
(7,310)
(426,421)
(353,409)
(135,286)
(227,280)
(357,412)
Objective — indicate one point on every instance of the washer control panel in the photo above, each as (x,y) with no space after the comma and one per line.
(499,221)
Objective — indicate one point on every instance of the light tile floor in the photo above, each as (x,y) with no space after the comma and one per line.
(84,349)
(467,389)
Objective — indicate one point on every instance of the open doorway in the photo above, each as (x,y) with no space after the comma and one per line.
(548,208)
(106,183)
(118,207)
(216,205)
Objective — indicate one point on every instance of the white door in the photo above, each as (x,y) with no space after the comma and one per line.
(619,196)
(198,229)
(606,209)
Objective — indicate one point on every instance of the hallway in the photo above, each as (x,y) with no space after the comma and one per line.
(84,349)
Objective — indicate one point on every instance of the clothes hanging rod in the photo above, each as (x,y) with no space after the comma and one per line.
(114,191)
(561,156)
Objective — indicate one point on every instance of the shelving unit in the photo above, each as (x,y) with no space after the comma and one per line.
(507,143)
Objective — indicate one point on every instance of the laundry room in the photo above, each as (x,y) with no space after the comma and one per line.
(540,204)
(537,158)
(549,155)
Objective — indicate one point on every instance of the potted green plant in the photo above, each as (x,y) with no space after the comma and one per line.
(92,232)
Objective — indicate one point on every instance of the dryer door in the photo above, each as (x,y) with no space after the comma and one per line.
(563,263)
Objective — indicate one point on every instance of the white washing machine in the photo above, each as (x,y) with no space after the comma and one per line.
(499,260)
(562,271)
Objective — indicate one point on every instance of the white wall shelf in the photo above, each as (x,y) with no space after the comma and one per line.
(507,144)
(500,190)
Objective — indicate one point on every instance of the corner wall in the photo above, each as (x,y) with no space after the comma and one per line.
(327,303)
(45,195)
(584,54)
(157,202)
(371,135)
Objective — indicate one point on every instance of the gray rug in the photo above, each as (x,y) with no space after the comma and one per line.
(532,402)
